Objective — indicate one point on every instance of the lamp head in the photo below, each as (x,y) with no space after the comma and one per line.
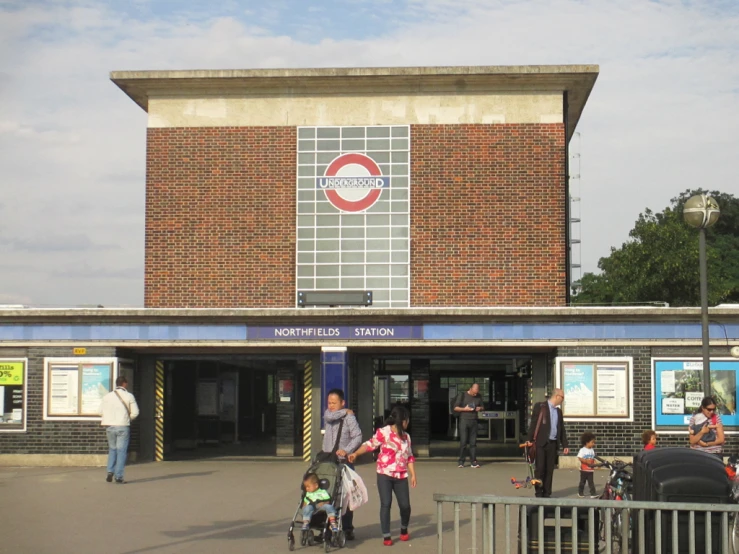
(701,211)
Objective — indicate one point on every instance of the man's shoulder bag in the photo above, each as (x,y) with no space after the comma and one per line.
(128,408)
(331,456)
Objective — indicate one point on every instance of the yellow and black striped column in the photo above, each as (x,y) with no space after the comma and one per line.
(307,409)
(159,412)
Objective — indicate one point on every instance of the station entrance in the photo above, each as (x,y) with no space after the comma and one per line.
(505,384)
(231,406)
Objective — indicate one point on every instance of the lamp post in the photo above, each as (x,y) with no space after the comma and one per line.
(702,211)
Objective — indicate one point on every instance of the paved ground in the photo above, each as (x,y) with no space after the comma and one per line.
(217,505)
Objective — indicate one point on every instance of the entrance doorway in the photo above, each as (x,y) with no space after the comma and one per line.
(226,407)
(504,383)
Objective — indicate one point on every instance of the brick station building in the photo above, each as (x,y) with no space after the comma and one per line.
(396,232)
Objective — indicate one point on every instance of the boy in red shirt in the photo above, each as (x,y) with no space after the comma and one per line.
(649,439)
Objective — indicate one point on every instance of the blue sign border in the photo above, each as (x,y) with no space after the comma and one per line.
(676,364)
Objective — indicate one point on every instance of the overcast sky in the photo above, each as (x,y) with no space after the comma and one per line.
(663,116)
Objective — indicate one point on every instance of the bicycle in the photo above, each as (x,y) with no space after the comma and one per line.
(618,487)
(731,471)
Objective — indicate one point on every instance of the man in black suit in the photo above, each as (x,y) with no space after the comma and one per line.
(546,434)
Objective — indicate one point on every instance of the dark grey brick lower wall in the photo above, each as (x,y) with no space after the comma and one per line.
(624,439)
(57,437)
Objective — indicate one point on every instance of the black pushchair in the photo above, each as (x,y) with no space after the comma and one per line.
(330,473)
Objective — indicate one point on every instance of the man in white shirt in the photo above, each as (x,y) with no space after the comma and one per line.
(118,409)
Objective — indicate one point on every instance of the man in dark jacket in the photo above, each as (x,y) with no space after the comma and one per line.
(548,426)
(467,405)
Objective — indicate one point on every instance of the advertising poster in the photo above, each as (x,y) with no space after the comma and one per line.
(64,390)
(285,389)
(679,390)
(577,383)
(421,388)
(95,385)
(12,405)
(612,391)
(12,374)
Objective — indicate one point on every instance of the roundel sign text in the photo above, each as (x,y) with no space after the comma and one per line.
(353,182)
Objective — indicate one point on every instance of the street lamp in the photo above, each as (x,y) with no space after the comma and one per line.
(702,211)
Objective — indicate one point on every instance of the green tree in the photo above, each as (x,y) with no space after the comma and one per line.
(659,263)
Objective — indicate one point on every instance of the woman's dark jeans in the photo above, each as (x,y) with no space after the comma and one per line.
(385,486)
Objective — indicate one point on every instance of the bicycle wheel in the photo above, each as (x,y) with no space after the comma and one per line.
(621,530)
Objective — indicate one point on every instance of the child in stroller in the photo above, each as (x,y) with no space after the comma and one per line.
(315,500)
(320,506)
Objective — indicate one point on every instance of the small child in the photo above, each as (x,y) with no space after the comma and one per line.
(712,426)
(649,439)
(317,499)
(587,461)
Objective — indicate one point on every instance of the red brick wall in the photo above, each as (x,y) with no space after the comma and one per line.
(488,215)
(487,226)
(220,217)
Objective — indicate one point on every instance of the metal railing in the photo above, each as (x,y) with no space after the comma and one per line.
(579,526)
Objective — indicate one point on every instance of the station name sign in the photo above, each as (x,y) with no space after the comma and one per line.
(336,332)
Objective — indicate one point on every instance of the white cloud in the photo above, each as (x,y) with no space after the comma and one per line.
(662,117)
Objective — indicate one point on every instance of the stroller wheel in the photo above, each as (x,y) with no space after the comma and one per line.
(311,540)
(341,539)
(291,544)
(327,545)
(304,538)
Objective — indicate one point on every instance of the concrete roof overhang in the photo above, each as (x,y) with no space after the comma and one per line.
(576,80)
(363,316)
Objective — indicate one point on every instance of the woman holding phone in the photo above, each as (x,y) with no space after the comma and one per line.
(706,430)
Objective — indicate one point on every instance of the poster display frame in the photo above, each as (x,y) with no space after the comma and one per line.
(17,427)
(598,365)
(678,422)
(77,363)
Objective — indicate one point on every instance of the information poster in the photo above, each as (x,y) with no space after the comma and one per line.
(95,385)
(452,397)
(679,390)
(207,398)
(577,383)
(12,394)
(596,387)
(64,390)
(612,391)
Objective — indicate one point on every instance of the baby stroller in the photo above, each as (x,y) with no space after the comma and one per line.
(330,474)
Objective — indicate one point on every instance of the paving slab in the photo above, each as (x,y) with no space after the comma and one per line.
(221,505)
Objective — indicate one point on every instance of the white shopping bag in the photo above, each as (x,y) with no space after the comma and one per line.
(355,493)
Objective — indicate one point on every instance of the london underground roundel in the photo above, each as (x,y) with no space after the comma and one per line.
(353,182)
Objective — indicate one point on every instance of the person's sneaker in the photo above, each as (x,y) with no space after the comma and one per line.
(475,465)
(120,481)
(387,541)
(594,496)
(404,536)
(109,478)
(460,465)
(349,535)
(580,495)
